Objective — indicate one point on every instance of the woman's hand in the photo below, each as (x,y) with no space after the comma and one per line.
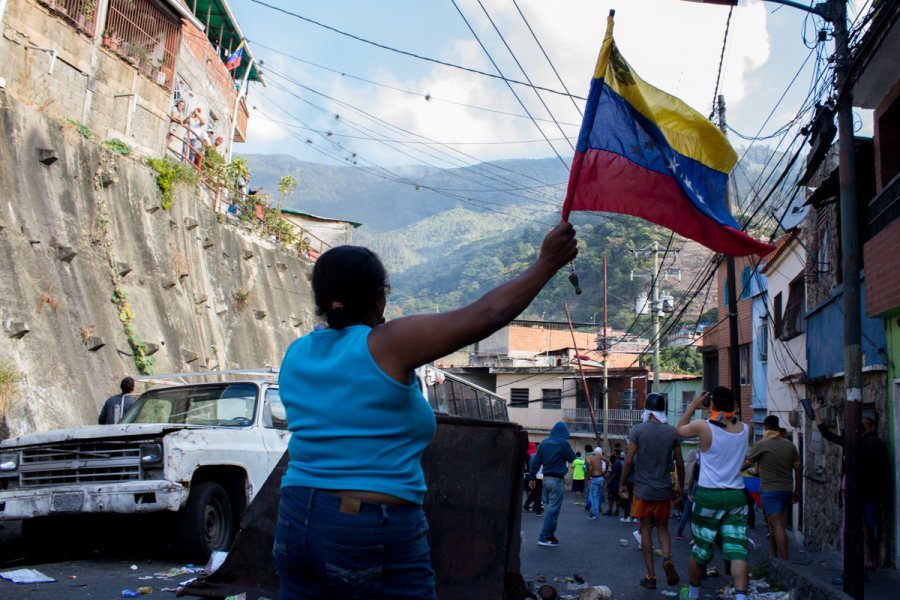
(817,410)
(559,246)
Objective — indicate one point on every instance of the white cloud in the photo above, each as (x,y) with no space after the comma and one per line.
(673,45)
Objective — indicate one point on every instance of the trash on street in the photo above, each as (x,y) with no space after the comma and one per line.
(26,576)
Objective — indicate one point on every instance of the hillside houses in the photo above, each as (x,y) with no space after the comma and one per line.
(536,366)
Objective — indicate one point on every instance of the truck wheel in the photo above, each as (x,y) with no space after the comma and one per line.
(206,522)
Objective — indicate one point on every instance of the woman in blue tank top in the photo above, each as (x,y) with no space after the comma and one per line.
(350,521)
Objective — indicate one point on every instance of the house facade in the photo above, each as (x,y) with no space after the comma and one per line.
(117,67)
(716,341)
(536,367)
(878,88)
(781,345)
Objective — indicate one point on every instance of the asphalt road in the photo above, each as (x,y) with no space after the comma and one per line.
(100,563)
(590,550)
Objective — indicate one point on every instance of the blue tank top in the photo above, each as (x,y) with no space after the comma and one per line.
(353,426)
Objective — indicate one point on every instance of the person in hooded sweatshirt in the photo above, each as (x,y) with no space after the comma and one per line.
(552,454)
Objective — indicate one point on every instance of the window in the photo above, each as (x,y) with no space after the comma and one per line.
(744,361)
(762,341)
(777,312)
(745,282)
(518,397)
(626,398)
(792,324)
(551,399)
(686,398)
(274,416)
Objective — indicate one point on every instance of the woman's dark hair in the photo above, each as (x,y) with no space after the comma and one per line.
(723,399)
(346,281)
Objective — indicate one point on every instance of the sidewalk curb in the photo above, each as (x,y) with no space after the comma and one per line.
(802,582)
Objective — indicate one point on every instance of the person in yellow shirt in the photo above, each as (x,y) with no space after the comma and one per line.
(578,478)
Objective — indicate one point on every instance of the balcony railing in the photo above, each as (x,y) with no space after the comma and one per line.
(81,13)
(885,207)
(145,36)
(620,420)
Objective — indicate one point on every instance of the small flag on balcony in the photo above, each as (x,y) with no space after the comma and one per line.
(234,61)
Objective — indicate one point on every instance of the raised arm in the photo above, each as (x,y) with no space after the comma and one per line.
(685,428)
(679,472)
(401,345)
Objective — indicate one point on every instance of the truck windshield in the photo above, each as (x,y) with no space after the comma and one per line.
(221,405)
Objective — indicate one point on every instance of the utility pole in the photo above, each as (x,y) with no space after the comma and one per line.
(851,263)
(606,448)
(655,307)
(655,310)
(734,353)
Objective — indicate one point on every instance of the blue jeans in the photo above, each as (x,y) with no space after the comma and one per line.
(554,494)
(596,494)
(685,515)
(375,551)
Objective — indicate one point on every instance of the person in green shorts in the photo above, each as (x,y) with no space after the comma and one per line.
(720,505)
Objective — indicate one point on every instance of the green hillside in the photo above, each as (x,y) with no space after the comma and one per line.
(449,235)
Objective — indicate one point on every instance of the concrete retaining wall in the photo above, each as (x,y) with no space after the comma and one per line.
(73,229)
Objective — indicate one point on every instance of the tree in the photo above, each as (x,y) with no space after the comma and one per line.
(286,186)
(681,359)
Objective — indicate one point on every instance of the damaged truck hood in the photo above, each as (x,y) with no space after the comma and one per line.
(90,432)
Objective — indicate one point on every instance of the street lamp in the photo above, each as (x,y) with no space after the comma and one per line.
(835,12)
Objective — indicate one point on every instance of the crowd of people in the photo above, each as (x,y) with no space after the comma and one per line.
(708,491)
(189,136)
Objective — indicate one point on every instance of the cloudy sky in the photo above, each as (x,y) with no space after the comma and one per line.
(330,98)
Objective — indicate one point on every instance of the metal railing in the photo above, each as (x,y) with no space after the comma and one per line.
(884,208)
(620,420)
(144,35)
(80,13)
(186,146)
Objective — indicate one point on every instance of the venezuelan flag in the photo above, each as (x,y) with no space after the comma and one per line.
(645,153)
(234,61)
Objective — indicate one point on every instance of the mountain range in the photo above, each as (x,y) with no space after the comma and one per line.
(448,235)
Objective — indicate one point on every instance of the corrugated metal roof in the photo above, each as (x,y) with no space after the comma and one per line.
(312,216)
(221,24)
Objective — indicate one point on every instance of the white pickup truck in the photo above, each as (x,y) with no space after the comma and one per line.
(202,450)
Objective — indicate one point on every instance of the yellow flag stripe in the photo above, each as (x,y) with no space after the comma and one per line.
(688,132)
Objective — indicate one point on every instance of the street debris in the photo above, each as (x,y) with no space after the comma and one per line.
(547,592)
(176,571)
(133,567)
(757,590)
(669,593)
(241,596)
(597,592)
(215,561)
(26,576)
(623,542)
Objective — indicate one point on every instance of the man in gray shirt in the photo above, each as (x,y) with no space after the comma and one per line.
(652,447)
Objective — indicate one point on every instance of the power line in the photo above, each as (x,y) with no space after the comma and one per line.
(508,84)
(550,62)
(521,68)
(426,96)
(406,53)
(721,63)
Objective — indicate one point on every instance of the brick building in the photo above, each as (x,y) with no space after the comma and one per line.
(116,67)
(716,341)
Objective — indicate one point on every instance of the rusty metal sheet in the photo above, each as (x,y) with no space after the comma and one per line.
(473,469)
